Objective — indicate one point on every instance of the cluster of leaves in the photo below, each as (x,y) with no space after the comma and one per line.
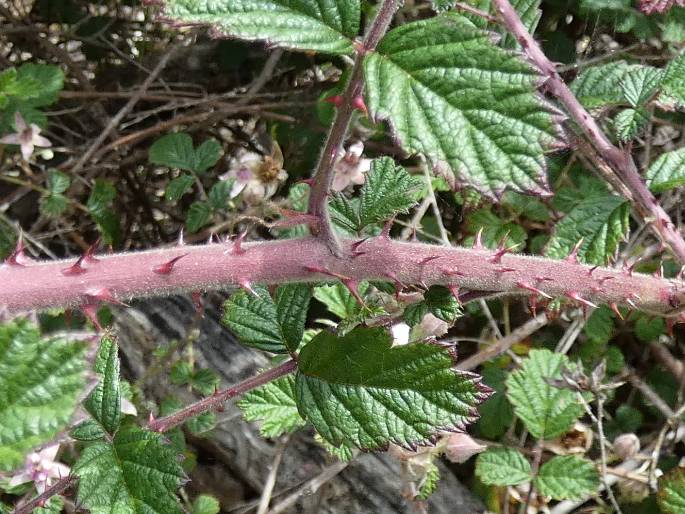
(176,151)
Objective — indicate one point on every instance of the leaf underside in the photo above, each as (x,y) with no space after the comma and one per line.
(469,106)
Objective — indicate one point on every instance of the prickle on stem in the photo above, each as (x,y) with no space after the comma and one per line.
(533,289)
(168,266)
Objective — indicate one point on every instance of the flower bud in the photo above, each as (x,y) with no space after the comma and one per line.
(461,447)
(626,446)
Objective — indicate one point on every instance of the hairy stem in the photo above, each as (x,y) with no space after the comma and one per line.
(57,488)
(620,161)
(184,269)
(173,420)
(324,173)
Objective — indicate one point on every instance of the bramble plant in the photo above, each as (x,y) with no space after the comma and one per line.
(479,165)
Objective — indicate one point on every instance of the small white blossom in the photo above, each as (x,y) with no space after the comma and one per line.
(400,334)
(257,177)
(26,136)
(350,167)
(41,469)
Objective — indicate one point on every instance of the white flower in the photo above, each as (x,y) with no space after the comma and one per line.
(400,334)
(350,167)
(256,176)
(42,469)
(128,408)
(27,137)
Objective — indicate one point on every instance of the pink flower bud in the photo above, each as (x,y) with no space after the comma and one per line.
(461,447)
(626,446)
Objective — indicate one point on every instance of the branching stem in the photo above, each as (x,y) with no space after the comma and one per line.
(324,173)
(217,399)
(620,161)
(120,277)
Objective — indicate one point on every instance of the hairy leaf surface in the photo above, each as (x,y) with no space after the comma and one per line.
(503,466)
(547,411)
(671,495)
(40,380)
(567,478)
(104,403)
(601,221)
(667,172)
(358,390)
(135,473)
(274,405)
(319,25)
(469,106)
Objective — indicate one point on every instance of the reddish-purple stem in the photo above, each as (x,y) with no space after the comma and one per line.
(217,399)
(57,488)
(349,101)
(620,161)
(40,285)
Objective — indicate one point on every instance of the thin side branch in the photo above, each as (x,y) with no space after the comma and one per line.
(118,277)
(57,488)
(173,420)
(324,173)
(621,162)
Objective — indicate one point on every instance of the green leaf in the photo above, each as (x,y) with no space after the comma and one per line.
(345,212)
(198,216)
(467,105)
(359,391)
(205,504)
(547,411)
(178,187)
(600,221)
(292,303)
(135,473)
(496,413)
(671,493)
(104,403)
(48,76)
(205,381)
(57,182)
(173,151)
(429,483)
(206,155)
(325,26)
(100,206)
(181,373)
(496,229)
(502,466)
(640,85)
(254,319)
(219,195)
(599,86)
(567,478)
(274,405)
(648,328)
(600,325)
(40,382)
(667,172)
(53,204)
(88,430)
(202,423)
(673,83)
(629,123)
(387,191)
(339,300)
(439,301)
